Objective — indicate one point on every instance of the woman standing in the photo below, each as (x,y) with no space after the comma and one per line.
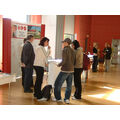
(40,63)
(78,69)
(95,58)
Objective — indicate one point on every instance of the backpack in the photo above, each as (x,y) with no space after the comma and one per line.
(86,62)
(47,91)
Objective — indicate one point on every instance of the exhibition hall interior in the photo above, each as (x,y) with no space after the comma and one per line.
(100,81)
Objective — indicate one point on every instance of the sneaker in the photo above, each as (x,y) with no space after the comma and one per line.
(74,98)
(42,99)
(35,96)
(55,100)
(67,101)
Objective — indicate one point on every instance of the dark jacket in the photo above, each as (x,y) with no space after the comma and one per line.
(68,59)
(95,50)
(108,52)
(28,55)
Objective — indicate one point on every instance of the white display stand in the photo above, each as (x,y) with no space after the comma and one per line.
(6,78)
(53,71)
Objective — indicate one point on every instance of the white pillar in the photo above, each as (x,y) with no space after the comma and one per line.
(50,30)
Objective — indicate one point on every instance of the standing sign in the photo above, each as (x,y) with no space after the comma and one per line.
(19,30)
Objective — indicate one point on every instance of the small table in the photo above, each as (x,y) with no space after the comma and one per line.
(7,78)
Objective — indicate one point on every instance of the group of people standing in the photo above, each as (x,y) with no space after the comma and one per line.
(97,57)
(36,58)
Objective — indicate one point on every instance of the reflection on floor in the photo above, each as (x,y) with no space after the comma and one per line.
(100,89)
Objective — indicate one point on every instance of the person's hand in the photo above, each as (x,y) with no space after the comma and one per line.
(46,65)
(22,65)
(58,65)
(49,47)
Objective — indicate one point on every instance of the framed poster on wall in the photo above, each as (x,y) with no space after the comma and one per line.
(35,31)
(19,30)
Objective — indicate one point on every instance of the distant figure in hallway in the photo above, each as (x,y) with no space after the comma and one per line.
(107,56)
(41,56)
(78,69)
(67,70)
(22,64)
(27,59)
(95,58)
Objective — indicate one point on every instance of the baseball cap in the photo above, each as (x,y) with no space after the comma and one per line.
(68,40)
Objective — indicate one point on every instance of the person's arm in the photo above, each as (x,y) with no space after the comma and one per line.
(63,58)
(48,51)
(79,54)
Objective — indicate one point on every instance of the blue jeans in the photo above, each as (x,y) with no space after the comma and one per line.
(59,82)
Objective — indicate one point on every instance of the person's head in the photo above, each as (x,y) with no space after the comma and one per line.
(14,28)
(30,38)
(95,45)
(66,42)
(44,42)
(106,44)
(75,44)
(25,39)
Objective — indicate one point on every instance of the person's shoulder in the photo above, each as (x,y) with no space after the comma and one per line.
(80,49)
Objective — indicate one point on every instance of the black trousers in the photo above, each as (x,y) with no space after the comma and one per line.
(39,79)
(95,63)
(77,82)
(23,75)
(28,78)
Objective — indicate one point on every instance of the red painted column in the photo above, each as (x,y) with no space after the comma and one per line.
(6,45)
(1,32)
(35,19)
(42,30)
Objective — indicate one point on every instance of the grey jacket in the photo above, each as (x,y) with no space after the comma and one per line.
(68,59)
(79,58)
(28,55)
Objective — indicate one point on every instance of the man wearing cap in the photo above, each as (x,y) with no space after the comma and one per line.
(67,70)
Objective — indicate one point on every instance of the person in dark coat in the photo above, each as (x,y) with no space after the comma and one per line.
(22,65)
(27,58)
(95,58)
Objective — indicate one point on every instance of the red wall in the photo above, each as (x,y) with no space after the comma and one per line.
(35,19)
(42,30)
(104,28)
(82,27)
(6,45)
